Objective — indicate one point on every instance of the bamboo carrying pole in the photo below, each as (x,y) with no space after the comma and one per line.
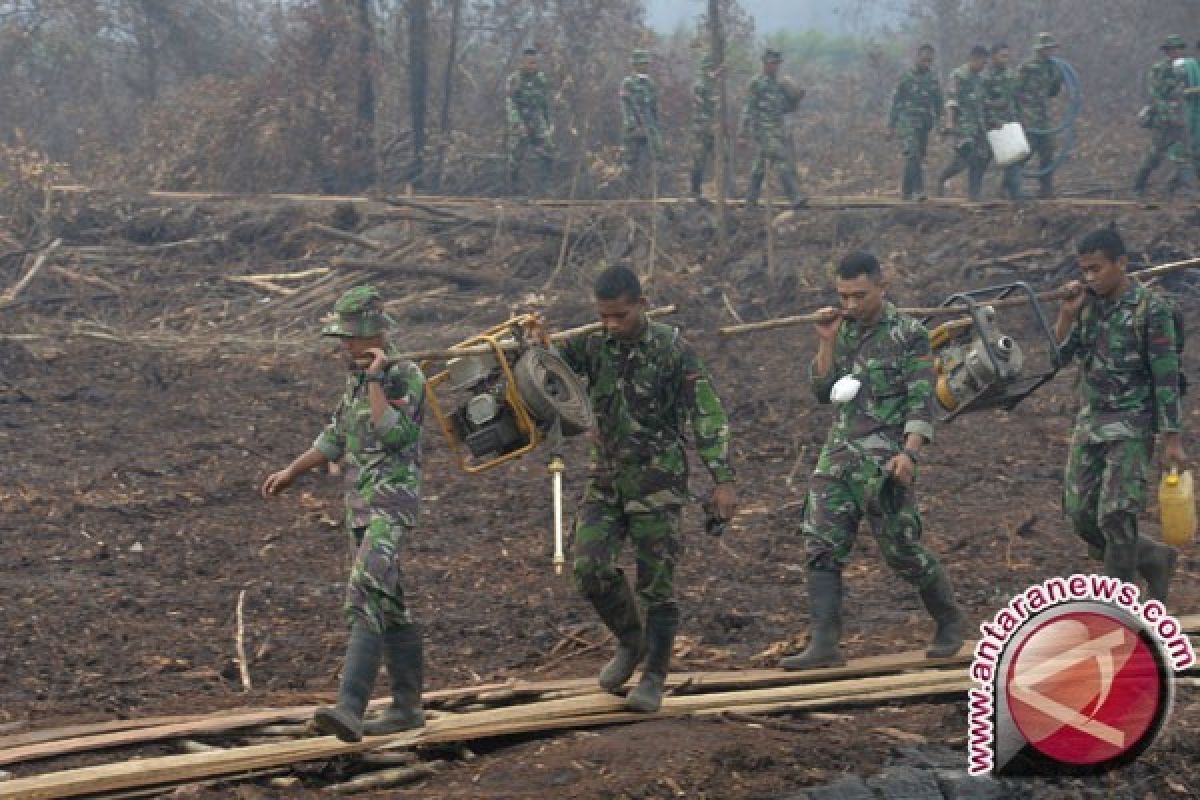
(954,310)
(456,352)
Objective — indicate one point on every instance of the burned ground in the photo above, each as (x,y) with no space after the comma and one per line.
(145,397)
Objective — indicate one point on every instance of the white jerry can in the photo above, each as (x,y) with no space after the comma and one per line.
(1009,144)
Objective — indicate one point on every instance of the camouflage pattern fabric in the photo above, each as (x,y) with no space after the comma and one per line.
(358,312)
(643,394)
(916,110)
(641,140)
(972,152)
(1130,367)
(704,113)
(1038,80)
(762,117)
(1104,489)
(998,91)
(1169,130)
(383,485)
(894,363)
(530,129)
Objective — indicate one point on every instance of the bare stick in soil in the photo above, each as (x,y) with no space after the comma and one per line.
(243,669)
(9,295)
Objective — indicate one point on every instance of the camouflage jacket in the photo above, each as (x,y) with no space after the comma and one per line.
(643,394)
(766,102)
(528,100)
(382,462)
(966,92)
(918,100)
(894,363)
(704,105)
(1037,81)
(999,97)
(1130,367)
(1166,95)
(639,103)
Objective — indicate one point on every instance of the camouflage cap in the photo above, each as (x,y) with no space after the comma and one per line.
(772,56)
(1043,40)
(1174,42)
(641,56)
(358,312)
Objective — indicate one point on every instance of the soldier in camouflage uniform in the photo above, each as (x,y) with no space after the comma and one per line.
(1125,338)
(767,100)
(530,128)
(704,113)
(1168,122)
(1000,108)
(1038,80)
(966,108)
(646,384)
(641,142)
(376,433)
(916,110)
(869,463)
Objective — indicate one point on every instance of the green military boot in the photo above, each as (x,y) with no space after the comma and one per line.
(938,597)
(363,654)
(754,190)
(661,624)
(1142,179)
(403,654)
(824,623)
(791,185)
(697,180)
(619,611)
(1156,563)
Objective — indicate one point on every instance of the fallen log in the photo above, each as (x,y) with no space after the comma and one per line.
(458,276)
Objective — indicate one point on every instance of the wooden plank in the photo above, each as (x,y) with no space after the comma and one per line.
(551,715)
(91,728)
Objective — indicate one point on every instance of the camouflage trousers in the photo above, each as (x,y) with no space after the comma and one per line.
(834,509)
(374,596)
(1170,140)
(1041,145)
(971,154)
(641,158)
(914,144)
(775,150)
(1104,489)
(520,145)
(702,146)
(610,515)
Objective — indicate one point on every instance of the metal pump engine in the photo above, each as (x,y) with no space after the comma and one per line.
(977,366)
(509,395)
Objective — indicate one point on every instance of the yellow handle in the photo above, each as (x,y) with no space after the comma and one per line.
(1173,477)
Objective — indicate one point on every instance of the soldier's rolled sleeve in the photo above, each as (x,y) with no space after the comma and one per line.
(822,385)
(1164,368)
(331,443)
(399,427)
(710,425)
(919,378)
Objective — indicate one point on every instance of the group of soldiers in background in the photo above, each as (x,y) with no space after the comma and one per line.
(984,94)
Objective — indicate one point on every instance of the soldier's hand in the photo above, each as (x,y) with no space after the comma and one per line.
(1074,296)
(379,359)
(535,329)
(830,321)
(1173,456)
(276,482)
(725,500)
(902,468)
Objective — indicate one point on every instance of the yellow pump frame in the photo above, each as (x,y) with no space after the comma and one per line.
(524,420)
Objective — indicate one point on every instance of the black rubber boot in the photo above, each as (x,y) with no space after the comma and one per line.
(697,177)
(404,655)
(754,190)
(919,182)
(824,623)
(1142,179)
(619,611)
(662,622)
(363,655)
(1156,563)
(1121,561)
(1186,177)
(1046,187)
(791,185)
(938,597)
(975,174)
